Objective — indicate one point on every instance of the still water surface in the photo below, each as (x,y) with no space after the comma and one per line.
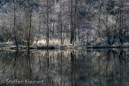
(64,68)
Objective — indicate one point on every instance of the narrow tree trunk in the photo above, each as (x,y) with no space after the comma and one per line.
(121,35)
(75,20)
(39,32)
(29,34)
(61,23)
(47,24)
(71,24)
(98,26)
(122,23)
(15,32)
(107,29)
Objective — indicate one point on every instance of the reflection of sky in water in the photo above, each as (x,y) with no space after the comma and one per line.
(67,68)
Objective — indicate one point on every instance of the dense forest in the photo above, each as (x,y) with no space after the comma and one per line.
(64,22)
(64,42)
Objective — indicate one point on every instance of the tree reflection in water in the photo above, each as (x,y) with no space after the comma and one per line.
(67,68)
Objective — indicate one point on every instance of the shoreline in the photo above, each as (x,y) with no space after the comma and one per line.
(61,47)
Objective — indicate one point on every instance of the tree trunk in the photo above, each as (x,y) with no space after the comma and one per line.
(75,20)
(61,24)
(29,34)
(98,26)
(15,31)
(47,24)
(71,24)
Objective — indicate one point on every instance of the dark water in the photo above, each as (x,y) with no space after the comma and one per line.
(64,68)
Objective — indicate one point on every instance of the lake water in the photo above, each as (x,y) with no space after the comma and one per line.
(64,68)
